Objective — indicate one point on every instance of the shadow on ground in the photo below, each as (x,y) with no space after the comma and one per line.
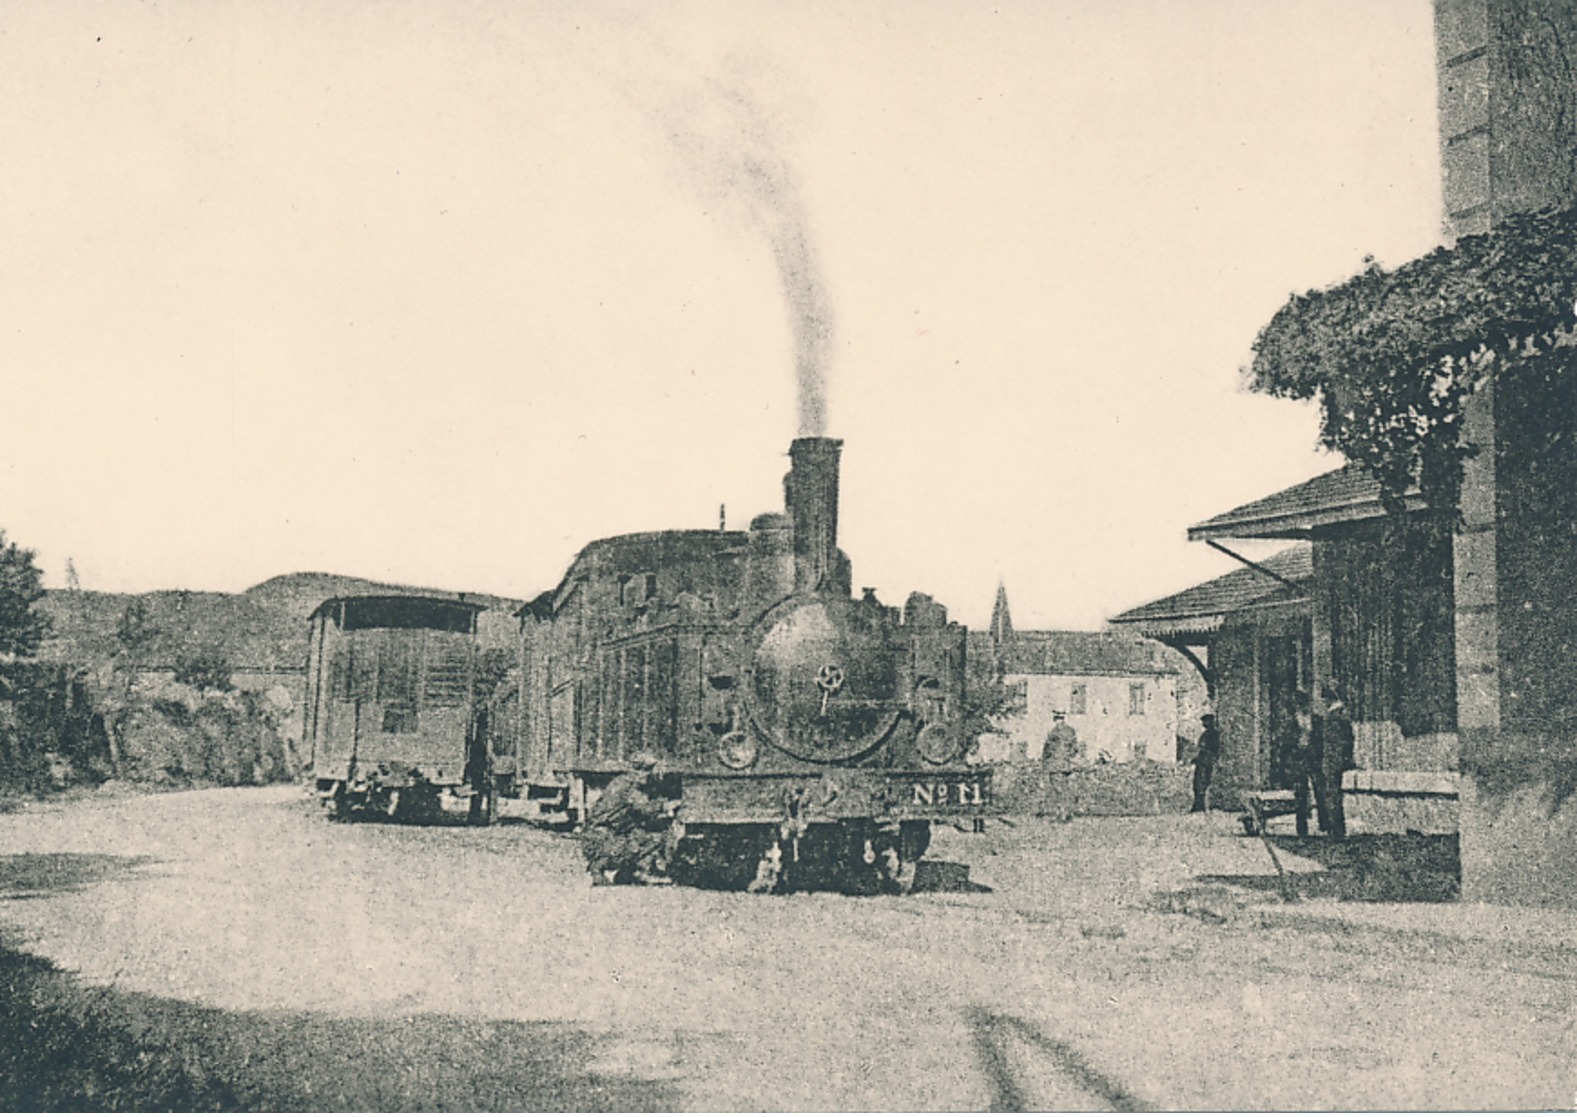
(1375,868)
(945,876)
(27,875)
(64,1046)
(1017,1058)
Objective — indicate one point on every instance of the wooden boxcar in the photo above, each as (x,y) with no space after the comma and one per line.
(391,720)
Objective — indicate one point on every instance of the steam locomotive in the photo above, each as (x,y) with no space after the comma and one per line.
(801,729)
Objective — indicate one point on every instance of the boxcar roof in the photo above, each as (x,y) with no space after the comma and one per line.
(405,609)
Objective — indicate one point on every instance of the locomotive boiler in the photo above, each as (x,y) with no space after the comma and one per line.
(802,729)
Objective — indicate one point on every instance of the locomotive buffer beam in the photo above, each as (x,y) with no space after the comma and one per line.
(844,795)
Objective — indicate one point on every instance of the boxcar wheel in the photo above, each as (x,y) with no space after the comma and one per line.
(484,808)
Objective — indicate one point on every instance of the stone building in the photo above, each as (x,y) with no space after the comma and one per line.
(1118,691)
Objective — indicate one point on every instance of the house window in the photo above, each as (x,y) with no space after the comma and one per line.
(1135,699)
(1077,702)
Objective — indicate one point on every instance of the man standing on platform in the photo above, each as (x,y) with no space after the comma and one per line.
(1336,754)
(1205,758)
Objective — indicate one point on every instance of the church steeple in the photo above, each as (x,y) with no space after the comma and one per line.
(1001,619)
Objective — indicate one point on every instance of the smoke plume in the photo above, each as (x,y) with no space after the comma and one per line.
(729,149)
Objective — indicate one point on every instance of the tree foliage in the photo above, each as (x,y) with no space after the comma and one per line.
(206,666)
(988,698)
(1393,355)
(136,628)
(22,626)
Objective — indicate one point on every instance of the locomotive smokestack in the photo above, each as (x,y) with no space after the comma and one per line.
(810,492)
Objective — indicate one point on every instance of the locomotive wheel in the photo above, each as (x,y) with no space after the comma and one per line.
(769,871)
(897,874)
(337,806)
(725,857)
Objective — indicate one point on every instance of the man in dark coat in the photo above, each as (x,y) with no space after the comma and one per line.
(1336,756)
(630,828)
(1205,761)
(1061,749)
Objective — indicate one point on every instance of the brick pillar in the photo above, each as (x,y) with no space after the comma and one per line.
(1463,56)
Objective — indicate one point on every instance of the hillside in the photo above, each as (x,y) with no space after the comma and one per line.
(263,628)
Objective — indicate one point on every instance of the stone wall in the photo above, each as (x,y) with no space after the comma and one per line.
(1097,790)
(1508,107)
(1518,843)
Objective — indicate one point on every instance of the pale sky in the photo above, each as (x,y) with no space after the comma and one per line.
(440,292)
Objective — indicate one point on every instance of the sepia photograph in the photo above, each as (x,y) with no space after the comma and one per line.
(733,556)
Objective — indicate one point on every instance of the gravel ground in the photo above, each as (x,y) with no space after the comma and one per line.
(1100,964)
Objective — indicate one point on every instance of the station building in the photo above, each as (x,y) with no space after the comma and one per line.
(1450,626)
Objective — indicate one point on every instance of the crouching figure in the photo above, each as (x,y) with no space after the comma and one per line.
(631,831)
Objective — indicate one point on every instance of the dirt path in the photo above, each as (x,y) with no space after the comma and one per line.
(1104,964)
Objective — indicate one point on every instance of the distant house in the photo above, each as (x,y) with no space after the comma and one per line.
(1249,634)
(1118,691)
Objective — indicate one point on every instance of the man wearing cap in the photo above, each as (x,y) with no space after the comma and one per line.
(630,829)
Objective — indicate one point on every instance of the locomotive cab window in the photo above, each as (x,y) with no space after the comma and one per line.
(637,589)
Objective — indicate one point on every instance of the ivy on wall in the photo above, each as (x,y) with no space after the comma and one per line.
(1392,355)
